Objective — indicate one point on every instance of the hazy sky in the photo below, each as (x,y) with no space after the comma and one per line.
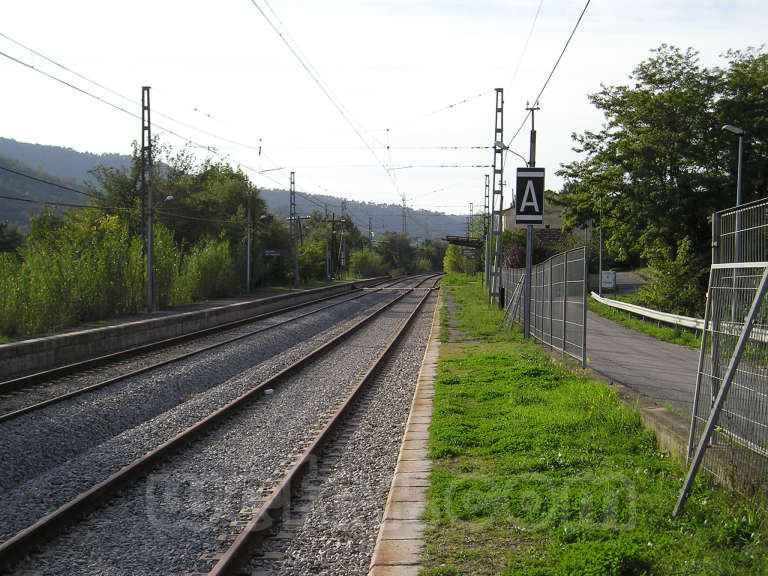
(393,65)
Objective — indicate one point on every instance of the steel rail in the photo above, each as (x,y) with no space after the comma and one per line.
(39,377)
(14,549)
(93,387)
(260,525)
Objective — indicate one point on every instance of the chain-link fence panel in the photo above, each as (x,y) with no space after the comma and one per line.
(558,301)
(729,425)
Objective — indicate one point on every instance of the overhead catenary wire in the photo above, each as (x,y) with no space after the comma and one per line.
(49,183)
(67,204)
(408,167)
(187,140)
(312,67)
(122,96)
(525,46)
(442,109)
(315,77)
(551,73)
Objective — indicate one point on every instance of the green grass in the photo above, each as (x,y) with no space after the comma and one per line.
(675,335)
(539,471)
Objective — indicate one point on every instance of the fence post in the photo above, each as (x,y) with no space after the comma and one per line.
(585,290)
(722,393)
(565,297)
(551,281)
(715,362)
(699,371)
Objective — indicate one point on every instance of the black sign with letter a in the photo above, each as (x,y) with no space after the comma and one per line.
(529,196)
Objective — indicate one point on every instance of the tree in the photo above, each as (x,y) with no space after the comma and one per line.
(10,238)
(367,263)
(433,251)
(396,250)
(658,167)
(454,260)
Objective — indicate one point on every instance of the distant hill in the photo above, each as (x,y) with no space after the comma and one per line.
(70,167)
(65,163)
(15,186)
(420,224)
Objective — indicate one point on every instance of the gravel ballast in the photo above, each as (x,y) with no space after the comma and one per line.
(168,522)
(49,460)
(348,490)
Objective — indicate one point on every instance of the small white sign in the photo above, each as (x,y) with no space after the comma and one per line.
(609,280)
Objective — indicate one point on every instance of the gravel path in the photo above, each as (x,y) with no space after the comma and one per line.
(164,524)
(80,442)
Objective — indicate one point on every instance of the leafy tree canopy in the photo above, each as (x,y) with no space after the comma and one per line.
(662,164)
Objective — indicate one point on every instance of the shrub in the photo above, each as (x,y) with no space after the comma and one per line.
(366,263)
(454,260)
(206,272)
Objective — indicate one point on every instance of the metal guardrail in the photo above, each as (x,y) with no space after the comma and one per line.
(674,319)
(758,334)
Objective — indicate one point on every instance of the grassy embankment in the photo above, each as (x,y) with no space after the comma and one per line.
(538,470)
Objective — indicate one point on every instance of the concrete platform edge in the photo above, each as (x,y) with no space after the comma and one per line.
(37,354)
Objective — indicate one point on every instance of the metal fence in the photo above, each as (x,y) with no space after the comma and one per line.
(729,427)
(558,301)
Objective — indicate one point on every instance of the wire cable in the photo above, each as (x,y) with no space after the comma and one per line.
(43,181)
(525,47)
(551,73)
(446,108)
(325,91)
(189,141)
(123,96)
(441,166)
(67,204)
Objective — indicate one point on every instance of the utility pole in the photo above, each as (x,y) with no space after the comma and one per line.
(497,200)
(529,234)
(248,247)
(327,245)
(294,231)
(404,221)
(486,229)
(146,184)
(342,242)
(370,231)
(471,215)
(532,154)
(333,236)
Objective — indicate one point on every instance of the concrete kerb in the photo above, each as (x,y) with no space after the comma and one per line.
(37,354)
(400,540)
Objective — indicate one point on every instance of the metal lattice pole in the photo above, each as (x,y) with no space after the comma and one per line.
(146,183)
(497,200)
(294,231)
(486,229)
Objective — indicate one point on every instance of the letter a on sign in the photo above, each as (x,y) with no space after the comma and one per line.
(529,196)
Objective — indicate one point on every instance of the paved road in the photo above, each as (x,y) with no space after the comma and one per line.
(664,372)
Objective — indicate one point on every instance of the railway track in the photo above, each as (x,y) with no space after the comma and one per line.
(212,424)
(36,391)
